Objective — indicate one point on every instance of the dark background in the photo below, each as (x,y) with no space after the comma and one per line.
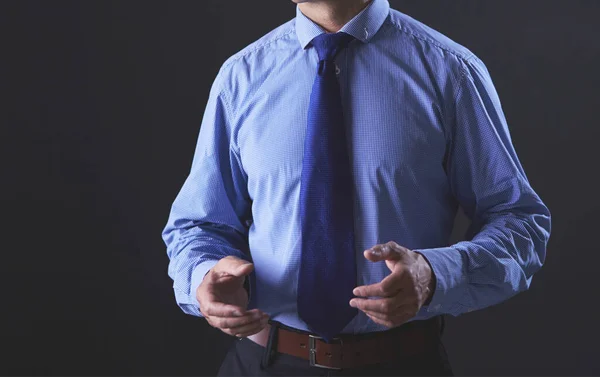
(101,106)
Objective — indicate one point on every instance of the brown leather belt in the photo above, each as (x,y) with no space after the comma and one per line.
(353,350)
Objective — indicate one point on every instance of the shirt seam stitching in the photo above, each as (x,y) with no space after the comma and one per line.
(397,26)
(452,119)
(225,94)
(234,59)
(460,83)
(239,56)
(231,114)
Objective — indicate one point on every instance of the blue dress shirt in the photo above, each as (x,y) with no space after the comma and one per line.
(427,134)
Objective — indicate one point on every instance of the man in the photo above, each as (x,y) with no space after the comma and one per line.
(332,157)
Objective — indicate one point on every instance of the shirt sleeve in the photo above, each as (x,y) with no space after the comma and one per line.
(210,216)
(510,224)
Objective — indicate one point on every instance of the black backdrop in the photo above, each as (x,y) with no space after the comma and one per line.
(101,106)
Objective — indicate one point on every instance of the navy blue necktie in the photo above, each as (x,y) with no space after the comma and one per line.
(327,273)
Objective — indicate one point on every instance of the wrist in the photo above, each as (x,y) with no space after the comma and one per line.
(432,283)
(430,288)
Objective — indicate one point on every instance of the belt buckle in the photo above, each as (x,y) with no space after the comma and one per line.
(312,352)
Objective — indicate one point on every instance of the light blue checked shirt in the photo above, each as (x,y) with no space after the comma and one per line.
(426,133)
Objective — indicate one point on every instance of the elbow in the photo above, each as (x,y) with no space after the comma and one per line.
(530,232)
(540,228)
(539,221)
(533,262)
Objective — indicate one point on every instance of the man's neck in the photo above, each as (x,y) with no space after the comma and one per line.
(332,15)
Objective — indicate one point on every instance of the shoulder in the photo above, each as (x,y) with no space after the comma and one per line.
(280,38)
(421,36)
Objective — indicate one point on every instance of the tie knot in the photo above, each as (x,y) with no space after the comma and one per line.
(328,45)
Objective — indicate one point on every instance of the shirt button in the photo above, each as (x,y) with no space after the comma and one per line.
(337,69)
(366,33)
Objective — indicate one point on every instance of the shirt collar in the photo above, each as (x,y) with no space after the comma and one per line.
(362,27)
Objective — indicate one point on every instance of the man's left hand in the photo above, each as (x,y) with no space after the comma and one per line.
(402,293)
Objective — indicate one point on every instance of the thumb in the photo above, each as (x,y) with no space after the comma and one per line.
(243,269)
(235,266)
(382,252)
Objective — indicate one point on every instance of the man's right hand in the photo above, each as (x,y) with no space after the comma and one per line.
(223,299)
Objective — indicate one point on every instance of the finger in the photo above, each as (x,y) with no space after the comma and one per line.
(402,315)
(219,309)
(381,321)
(388,287)
(390,321)
(252,332)
(381,316)
(254,312)
(230,322)
(253,328)
(386,251)
(231,265)
(243,269)
(400,311)
(252,317)
(382,305)
(397,248)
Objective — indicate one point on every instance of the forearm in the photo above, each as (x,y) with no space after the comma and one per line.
(507,240)
(209,218)
(496,264)
(194,254)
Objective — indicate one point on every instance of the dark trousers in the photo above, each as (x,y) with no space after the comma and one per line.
(246,358)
